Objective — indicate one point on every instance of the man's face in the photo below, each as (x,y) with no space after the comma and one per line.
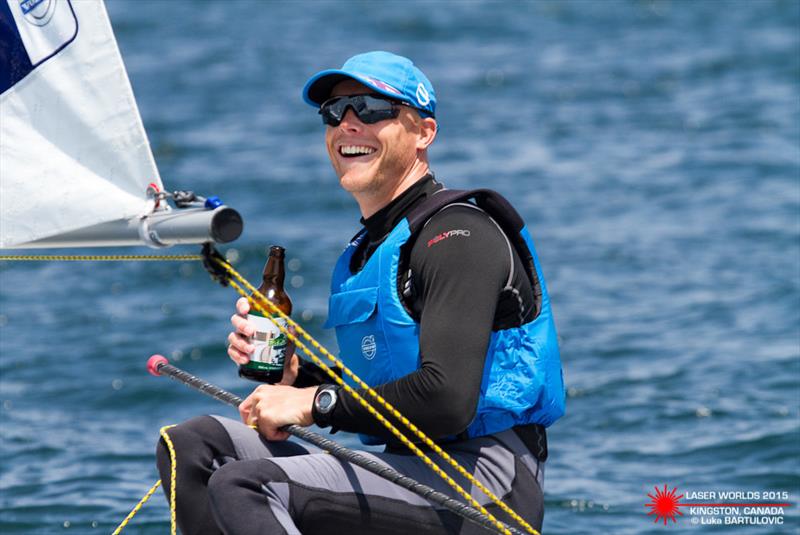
(391,145)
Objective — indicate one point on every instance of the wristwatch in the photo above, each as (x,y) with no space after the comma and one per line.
(324,403)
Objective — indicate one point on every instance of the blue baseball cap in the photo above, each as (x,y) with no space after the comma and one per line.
(386,73)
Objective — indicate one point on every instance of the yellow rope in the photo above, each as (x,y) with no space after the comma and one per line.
(108,258)
(173,477)
(135,510)
(273,310)
(173,462)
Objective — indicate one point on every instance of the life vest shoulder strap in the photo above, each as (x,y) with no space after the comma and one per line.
(496,207)
(492,202)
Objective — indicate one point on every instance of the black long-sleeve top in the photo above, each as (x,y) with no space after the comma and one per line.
(458,282)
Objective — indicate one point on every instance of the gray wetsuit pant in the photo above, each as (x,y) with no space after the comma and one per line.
(286,487)
(231,480)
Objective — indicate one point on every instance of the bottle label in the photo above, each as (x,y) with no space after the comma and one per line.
(270,343)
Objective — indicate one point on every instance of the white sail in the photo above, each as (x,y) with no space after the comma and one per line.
(73,151)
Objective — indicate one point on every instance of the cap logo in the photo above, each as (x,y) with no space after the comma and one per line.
(422,95)
(382,85)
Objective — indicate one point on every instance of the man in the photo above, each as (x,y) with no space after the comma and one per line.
(439,304)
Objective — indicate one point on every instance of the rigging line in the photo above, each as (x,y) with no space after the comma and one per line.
(377,415)
(212,254)
(159,365)
(385,404)
(101,258)
(274,311)
(173,476)
(138,506)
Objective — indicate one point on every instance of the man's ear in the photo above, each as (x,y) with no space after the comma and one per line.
(427,132)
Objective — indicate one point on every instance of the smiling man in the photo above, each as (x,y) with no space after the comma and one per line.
(438,303)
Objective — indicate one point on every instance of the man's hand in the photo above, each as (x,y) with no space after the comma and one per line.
(240,348)
(271,407)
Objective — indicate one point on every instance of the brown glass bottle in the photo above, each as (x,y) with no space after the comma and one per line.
(266,362)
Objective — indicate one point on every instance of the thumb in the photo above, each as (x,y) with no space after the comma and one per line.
(242,306)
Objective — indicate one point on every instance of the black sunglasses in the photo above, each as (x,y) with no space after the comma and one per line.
(368,108)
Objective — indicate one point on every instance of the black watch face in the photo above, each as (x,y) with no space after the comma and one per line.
(324,401)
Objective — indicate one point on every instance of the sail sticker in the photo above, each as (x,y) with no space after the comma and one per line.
(31,32)
(38,12)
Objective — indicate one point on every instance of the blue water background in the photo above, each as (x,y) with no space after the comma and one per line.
(651,146)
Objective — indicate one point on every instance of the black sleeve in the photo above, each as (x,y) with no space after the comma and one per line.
(460,263)
(309,374)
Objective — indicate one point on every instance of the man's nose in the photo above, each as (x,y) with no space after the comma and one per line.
(350,120)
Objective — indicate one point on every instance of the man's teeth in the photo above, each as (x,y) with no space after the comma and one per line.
(351,150)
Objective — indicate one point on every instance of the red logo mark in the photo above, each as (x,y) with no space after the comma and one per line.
(448,234)
(664,505)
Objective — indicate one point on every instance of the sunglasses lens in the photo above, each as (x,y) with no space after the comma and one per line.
(369,109)
(333,111)
(374,109)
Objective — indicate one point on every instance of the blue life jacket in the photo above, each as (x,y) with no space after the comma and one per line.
(379,340)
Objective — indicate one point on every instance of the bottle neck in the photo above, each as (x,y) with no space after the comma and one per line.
(274,272)
(276,279)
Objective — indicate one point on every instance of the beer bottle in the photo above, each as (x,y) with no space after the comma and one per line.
(266,362)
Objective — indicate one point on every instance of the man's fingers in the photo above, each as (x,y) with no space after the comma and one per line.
(244,409)
(237,356)
(242,325)
(242,306)
(291,368)
(239,349)
(268,427)
(276,435)
(240,343)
